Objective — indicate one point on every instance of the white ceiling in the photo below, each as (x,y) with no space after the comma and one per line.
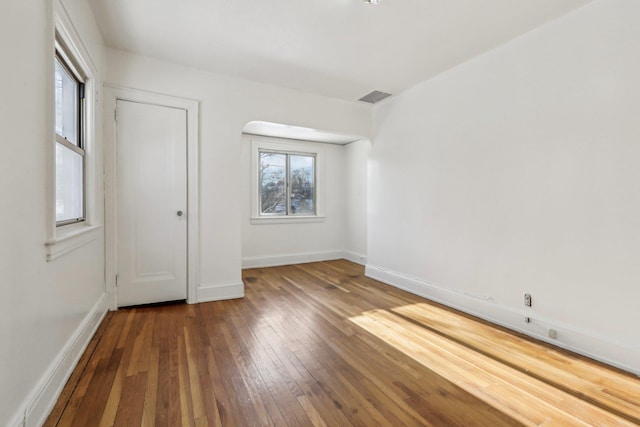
(278,130)
(337,48)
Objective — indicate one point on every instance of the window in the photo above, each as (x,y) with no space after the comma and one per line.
(69,140)
(73,219)
(287,183)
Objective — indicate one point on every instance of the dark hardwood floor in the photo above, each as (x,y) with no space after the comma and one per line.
(321,345)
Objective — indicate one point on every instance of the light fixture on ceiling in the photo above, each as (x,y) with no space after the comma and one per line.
(372,1)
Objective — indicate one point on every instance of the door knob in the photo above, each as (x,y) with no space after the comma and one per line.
(179,213)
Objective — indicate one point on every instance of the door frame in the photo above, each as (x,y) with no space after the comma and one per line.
(112,94)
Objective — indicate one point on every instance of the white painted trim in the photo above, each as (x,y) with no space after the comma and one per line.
(112,95)
(286,219)
(38,405)
(74,239)
(208,293)
(65,26)
(288,259)
(579,341)
(354,257)
(286,145)
(65,31)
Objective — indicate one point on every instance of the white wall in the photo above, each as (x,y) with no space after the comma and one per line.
(226,105)
(342,189)
(45,306)
(357,155)
(518,172)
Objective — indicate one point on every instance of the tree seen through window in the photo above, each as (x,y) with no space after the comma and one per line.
(286,183)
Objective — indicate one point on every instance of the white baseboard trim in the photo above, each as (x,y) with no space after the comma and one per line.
(288,259)
(568,337)
(38,405)
(220,292)
(354,257)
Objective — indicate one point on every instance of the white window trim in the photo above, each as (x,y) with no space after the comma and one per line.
(259,143)
(64,239)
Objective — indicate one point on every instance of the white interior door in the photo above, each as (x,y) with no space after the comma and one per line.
(151,203)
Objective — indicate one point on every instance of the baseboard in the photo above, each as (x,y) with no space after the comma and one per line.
(288,259)
(568,336)
(45,394)
(354,257)
(220,292)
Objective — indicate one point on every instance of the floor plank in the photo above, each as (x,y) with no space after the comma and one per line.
(319,344)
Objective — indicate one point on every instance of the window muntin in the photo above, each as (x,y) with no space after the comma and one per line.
(286,183)
(70,152)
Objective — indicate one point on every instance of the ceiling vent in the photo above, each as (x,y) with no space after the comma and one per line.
(375,96)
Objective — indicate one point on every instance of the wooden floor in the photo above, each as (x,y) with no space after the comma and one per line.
(321,345)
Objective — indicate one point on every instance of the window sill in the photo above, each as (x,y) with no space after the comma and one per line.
(69,238)
(286,219)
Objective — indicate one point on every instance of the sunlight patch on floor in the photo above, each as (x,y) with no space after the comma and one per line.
(525,399)
(563,370)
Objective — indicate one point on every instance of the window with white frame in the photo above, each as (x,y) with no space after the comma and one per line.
(287,180)
(286,183)
(72,217)
(69,140)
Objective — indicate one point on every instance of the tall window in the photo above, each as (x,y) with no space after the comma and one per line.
(70,150)
(287,183)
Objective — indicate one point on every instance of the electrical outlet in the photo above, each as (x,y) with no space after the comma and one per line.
(527,300)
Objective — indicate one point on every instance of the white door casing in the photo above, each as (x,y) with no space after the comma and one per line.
(112,94)
(151,203)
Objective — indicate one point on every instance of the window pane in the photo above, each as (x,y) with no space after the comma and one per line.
(67,104)
(69,185)
(302,185)
(272,175)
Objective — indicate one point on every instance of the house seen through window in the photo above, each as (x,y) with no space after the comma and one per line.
(287,183)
